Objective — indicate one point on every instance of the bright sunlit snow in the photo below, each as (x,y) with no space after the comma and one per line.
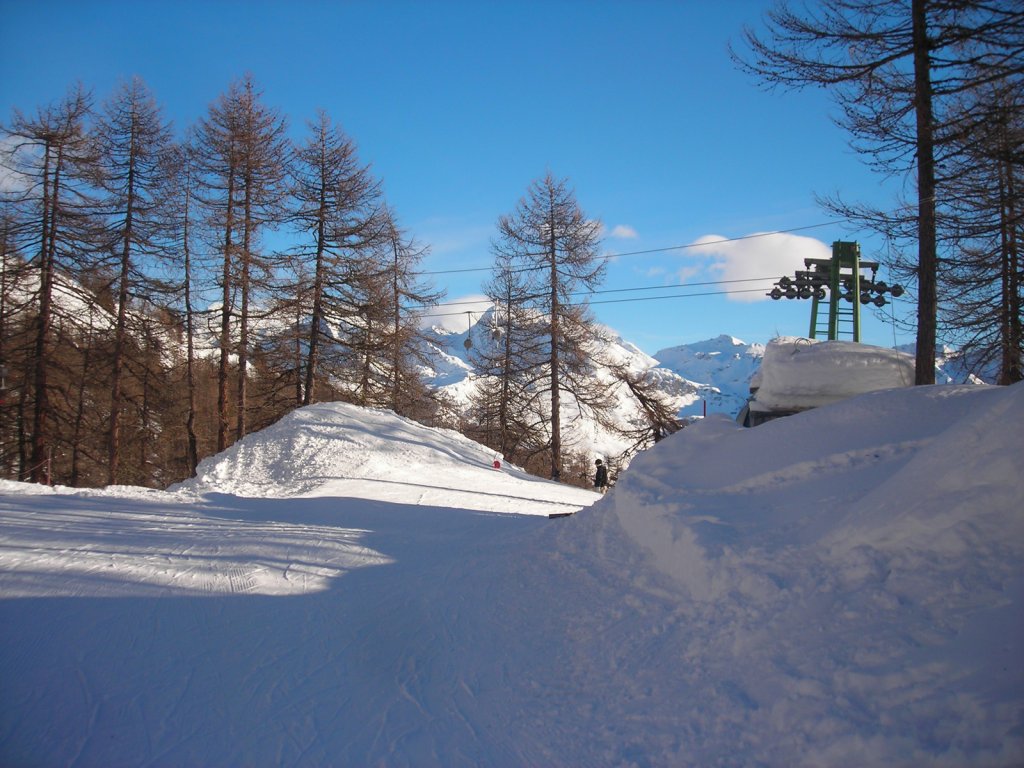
(840,587)
(798,373)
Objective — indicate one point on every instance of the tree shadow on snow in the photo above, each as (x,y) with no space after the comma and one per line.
(350,673)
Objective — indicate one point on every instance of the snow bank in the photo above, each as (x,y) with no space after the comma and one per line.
(855,571)
(903,468)
(797,374)
(337,449)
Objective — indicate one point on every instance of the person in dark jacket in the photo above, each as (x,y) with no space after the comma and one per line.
(601,477)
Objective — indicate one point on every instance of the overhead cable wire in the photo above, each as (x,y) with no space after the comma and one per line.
(674,285)
(676,296)
(666,287)
(619,301)
(610,256)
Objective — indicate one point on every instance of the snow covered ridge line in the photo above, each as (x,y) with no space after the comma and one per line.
(77,309)
(712,376)
(725,361)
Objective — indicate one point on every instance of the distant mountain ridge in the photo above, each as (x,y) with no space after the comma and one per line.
(710,376)
(703,377)
(716,371)
(723,367)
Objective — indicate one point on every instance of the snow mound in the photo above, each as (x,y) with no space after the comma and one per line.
(799,373)
(854,570)
(952,473)
(337,449)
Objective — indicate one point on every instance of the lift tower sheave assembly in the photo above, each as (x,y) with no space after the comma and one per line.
(838,279)
(843,271)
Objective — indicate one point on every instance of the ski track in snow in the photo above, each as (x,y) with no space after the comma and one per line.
(102,547)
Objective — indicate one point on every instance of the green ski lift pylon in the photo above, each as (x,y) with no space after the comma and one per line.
(839,280)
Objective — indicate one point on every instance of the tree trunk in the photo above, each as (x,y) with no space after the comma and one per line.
(927,299)
(192,457)
(298,351)
(39,470)
(114,436)
(243,331)
(556,399)
(80,396)
(225,321)
(318,285)
(396,345)
(364,385)
(1010,363)
(506,383)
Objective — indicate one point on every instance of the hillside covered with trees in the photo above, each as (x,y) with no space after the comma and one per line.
(151,314)
(163,296)
(165,290)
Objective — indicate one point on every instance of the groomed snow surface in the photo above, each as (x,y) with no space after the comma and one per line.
(839,588)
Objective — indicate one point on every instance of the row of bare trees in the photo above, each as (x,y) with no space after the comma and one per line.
(149,319)
(930,91)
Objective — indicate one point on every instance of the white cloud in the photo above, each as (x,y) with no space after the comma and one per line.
(456,313)
(768,255)
(624,232)
(16,159)
(687,273)
(655,271)
(451,235)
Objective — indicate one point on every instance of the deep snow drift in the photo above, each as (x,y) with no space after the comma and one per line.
(841,587)
(798,373)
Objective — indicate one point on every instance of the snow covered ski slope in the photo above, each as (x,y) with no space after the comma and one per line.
(843,587)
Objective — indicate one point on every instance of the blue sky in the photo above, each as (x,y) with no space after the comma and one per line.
(459,106)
